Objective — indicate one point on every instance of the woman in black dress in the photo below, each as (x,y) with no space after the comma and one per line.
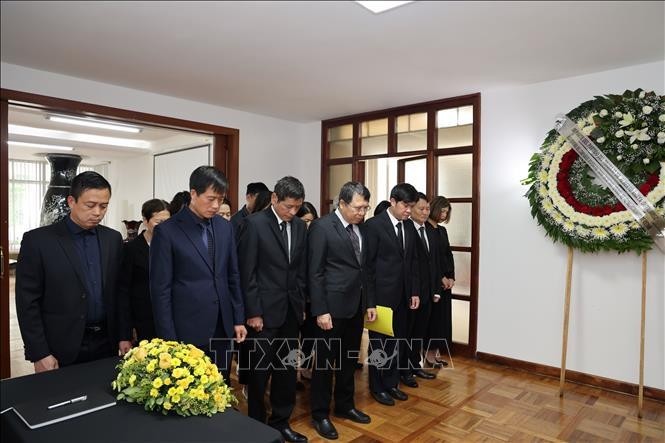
(134,283)
(440,324)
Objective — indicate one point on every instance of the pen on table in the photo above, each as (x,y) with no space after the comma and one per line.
(67,402)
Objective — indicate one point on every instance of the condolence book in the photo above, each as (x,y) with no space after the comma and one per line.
(44,412)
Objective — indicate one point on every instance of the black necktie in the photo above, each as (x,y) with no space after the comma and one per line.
(400,234)
(355,241)
(285,237)
(209,242)
(422,237)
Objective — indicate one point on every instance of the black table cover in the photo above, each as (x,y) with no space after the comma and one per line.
(125,422)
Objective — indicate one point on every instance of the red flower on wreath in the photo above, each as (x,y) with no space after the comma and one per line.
(565,189)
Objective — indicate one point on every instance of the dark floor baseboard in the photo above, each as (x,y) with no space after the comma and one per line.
(574,376)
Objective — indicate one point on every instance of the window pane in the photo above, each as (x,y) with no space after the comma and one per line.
(461,310)
(374,137)
(455,127)
(341,149)
(455,175)
(380,177)
(462,273)
(338,175)
(415,172)
(465,115)
(412,132)
(344,132)
(459,226)
(455,136)
(340,141)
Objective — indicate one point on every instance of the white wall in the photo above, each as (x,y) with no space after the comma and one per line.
(522,273)
(131,182)
(269,148)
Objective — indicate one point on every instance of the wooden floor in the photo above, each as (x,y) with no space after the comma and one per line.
(475,401)
(472,401)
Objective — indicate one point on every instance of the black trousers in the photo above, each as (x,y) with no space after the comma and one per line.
(336,348)
(96,345)
(440,327)
(384,374)
(271,356)
(417,324)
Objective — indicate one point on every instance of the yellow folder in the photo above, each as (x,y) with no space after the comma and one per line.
(383,323)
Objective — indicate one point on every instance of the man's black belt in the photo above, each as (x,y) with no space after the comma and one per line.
(95,327)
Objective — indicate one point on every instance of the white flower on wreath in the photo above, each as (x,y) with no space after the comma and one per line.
(600,139)
(661,138)
(619,230)
(568,226)
(638,134)
(619,133)
(600,233)
(603,113)
(661,118)
(647,110)
(627,120)
(584,232)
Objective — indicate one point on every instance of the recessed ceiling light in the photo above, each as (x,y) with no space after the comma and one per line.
(92,123)
(78,137)
(379,7)
(40,146)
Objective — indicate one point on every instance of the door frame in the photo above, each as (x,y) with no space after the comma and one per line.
(225,157)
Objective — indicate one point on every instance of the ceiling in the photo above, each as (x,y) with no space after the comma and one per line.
(154,139)
(307,61)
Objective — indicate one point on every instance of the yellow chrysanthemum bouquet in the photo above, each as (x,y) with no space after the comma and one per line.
(169,376)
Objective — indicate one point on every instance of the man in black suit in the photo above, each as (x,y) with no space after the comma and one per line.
(253,190)
(336,280)
(66,283)
(418,319)
(272,254)
(194,278)
(392,281)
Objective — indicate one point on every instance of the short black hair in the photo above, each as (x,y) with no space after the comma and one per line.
(382,206)
(307,208)
(289,187)
(205,177)
(349,189)
(179,200)
(422,196)
(404,192)
(153,206)
(262,200)
(87,180)
(255,188)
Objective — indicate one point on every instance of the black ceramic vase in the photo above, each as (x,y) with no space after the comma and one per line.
(63,171)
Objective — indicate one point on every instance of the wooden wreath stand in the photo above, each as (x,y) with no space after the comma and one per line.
(566,316)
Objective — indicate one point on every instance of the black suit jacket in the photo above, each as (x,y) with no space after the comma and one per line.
(428,263)
(134,286)
(51,294)
(270,282)
(335,276)
(392,271)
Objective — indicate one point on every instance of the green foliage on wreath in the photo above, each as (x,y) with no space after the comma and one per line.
(573,206)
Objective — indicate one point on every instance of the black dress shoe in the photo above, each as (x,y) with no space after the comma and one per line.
(442,362)
(397,394)
(384,398)
(409,380)
(325,428)
(290,435)
(422,374)
(354,415)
